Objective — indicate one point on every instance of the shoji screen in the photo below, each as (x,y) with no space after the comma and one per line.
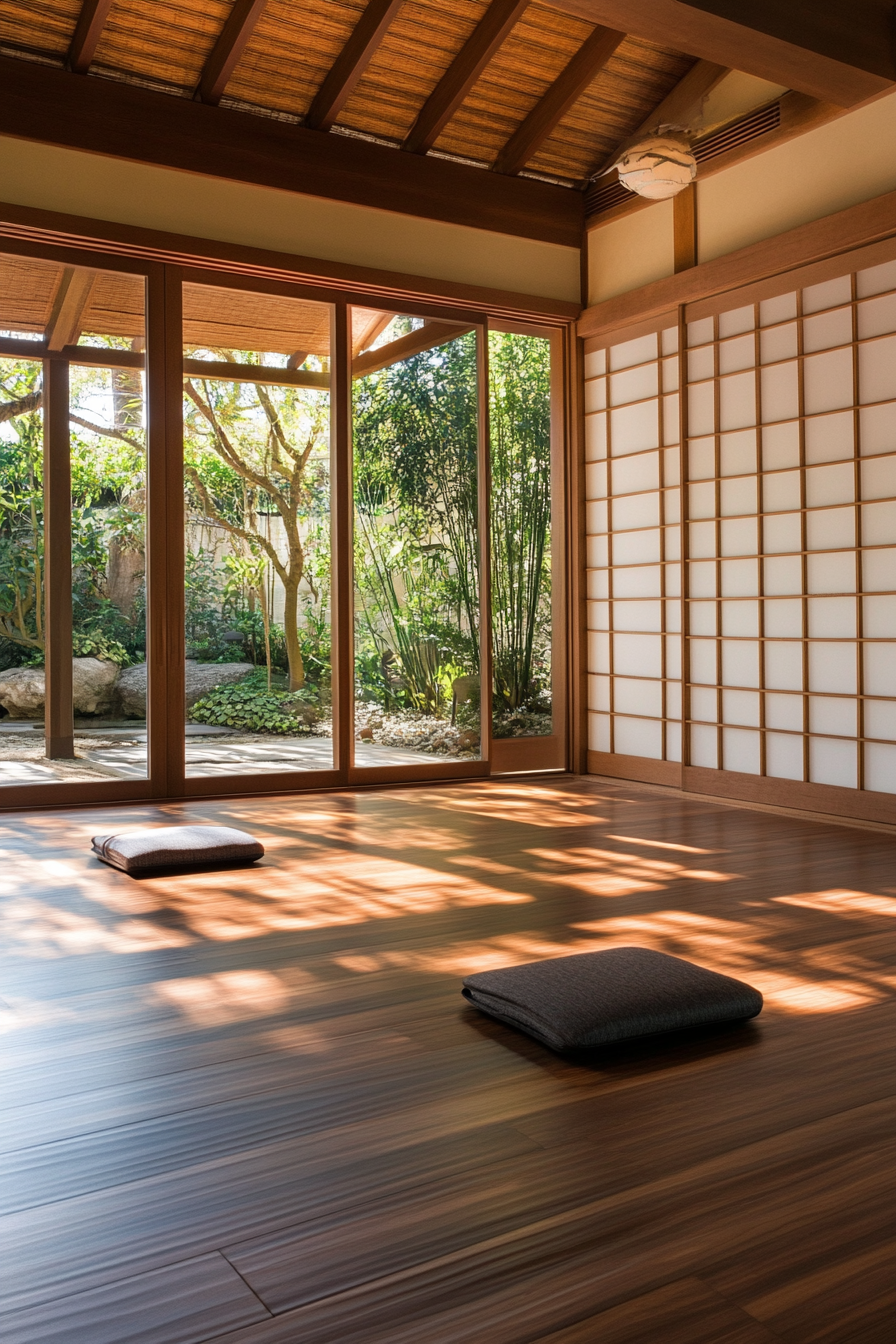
(634,551)
(791,583)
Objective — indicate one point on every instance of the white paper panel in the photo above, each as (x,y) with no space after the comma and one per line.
(673,741)
(702,499)
(636,548)
(595,395)
(737,401)
(876,279)
(738,495)
(634,385)
(880,669)
(830,438)
(877,369)
(630,511)
(833,762)
(783,756)
(637,655)
(595,363)
(740,578)
(643,615)
(784,711)
(781,446)
(671,466)
(784,618)
(737,354)
(736,320)
(595,437)
(599,693)
(779,389)
(596,550)
(704,703)
(596,516)
(670,419)
(670,374)
(879,478)
(701,331)
(633,352)
(599,732)
(879,529)
(877,317)
(672,542)
(782,532)
(704,747)
(701,364)
(781,491)
(598,615)
(877,429)
(701,459)
(827,295)
(740,751)
(701,409)
(702,618)
(832,617)
(830,528)
(673,616)
(634,428)
(828,381)
(597,582)
(637,581)
(596,480)
(827,330)
(832,667)
(740,536)
(641,472)
(880,719)
(671,506)
(669,340)
(880,768)
(784,666)
(830,714)
(879,622)
(637,696)
(740,619)
(879,569)
(782,575)
(832,484)
(673,580)
(778,309)
(832,573)
(778,343)
(598,652)
(737,453)
(638,737)
(673,699)
(741,707)
(673,655)
(702,653)
(740,662)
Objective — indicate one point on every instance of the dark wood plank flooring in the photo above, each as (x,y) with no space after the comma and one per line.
(251,1105)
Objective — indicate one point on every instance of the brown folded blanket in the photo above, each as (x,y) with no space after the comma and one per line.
(593,998)
(176,846)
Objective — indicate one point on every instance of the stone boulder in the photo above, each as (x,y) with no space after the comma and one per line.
(200,679)
(23,689)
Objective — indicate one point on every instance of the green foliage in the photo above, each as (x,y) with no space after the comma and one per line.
(248,707)
(97,645)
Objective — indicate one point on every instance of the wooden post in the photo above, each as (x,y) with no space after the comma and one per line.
(342,549)
(684,222)
(58,711)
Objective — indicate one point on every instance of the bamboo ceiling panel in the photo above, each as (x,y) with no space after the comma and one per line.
(290,53)
(420,45)
(116,307)
(27,290)
(168,41)
(538,49)
(635,80)
(39,25)
(233,319)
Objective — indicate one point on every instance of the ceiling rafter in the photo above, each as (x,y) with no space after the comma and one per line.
(566,90)
(681,106)
(69,306)
(232,42)
(428,337)
(86,37)
(457,81)
(351,63)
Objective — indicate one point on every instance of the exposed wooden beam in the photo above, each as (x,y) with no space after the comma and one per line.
(72,297)
(264,374)
(569,86)
(462,74)
(232,42)
(351,63)
(684,228)
(682,104)
(833,51)
(374,328)
(128,122)
(86,36)
(424,338)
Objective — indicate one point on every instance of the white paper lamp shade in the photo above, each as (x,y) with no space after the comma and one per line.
(657,166)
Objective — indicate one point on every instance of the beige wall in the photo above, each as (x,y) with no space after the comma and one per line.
(93,185)
(849,160)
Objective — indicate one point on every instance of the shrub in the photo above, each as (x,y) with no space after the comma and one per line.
(249,708)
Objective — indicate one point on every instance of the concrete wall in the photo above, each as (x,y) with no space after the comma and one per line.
(122,192)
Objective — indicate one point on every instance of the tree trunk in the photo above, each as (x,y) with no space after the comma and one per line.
(291,635)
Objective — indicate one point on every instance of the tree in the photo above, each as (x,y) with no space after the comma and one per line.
(253,449)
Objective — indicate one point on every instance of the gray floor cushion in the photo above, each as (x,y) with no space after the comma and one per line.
(593,998)
(175,847)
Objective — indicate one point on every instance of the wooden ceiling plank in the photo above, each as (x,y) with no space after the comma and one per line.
(428,337)
(566,90)
(490,33)
(836,52)
(351,63)
(232,42)
(681,105)
(69,306)
(86,37)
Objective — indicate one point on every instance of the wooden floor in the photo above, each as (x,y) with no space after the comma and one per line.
(252,1105)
